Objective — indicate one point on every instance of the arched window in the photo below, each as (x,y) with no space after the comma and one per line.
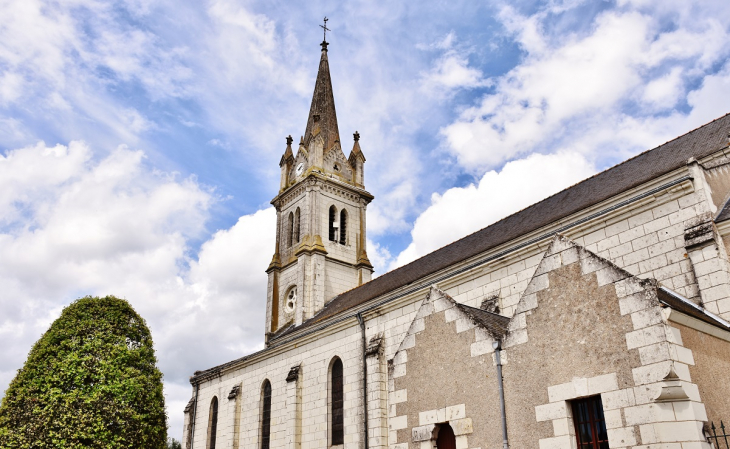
(290,229)
(343,227)
(266,415)
(333,224)
(296,225)
(445,438)
(337,404)
(212,422)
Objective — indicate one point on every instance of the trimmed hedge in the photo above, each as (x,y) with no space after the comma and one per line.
(91,381)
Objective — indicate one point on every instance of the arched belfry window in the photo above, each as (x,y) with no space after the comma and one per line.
(333,224)
(297,225)
(289,229)
(343,227)
(212,422)
(337,403)
(266,415)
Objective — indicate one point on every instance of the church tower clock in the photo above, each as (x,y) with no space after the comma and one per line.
(320,217)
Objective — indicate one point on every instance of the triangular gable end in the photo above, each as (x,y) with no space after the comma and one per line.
(634,293)
(488,326)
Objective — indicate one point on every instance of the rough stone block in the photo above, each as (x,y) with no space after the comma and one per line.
(649,413)
(561,442)
(621,437)
(398,422)
(551,411)
(602,384)
(462,426)
(455,412)
(618,399)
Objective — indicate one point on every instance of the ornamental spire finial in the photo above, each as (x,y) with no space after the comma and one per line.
(324,38)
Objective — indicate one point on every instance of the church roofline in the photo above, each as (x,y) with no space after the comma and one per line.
(632,173)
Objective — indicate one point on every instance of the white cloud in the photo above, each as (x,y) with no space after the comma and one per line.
(576,90)
(73,226)
(463,210)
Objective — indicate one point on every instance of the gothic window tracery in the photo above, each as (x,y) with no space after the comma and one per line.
(291,300)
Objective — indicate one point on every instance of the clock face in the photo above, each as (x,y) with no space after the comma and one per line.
(300,169)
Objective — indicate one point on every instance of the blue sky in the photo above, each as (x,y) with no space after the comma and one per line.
(140,140)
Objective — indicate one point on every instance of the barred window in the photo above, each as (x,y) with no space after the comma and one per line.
(212,422)
(590,425)
(343,227)
(337,406)
(266,415)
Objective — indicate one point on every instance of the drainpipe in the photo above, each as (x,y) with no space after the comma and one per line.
(364,377)
(195,416)
(497,345)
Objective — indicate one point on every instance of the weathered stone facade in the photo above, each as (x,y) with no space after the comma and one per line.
(625,298)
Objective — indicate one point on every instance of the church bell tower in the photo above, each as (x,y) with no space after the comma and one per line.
(320,217)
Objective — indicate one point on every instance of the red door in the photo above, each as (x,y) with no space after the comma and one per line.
(446,438)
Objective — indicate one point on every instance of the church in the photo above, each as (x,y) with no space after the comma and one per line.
(596,318)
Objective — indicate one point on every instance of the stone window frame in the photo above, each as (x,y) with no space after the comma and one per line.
(261,413)
(455,416)
(333,231)
(331,364)
(212,431)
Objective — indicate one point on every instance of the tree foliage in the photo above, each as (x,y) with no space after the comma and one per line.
(91,381)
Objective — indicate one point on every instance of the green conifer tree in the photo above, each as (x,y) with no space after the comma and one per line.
(91,381)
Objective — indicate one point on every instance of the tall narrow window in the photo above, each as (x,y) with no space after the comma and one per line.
(590,425)
(343,227)
(333,225)
(266,415)
(337,405)
(297,226)
(212,422)
(289,229)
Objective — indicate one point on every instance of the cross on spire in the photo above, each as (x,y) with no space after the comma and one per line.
(325,30)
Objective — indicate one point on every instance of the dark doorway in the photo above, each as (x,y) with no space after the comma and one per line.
(446,438)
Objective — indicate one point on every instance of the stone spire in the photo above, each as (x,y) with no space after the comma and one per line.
(322,116)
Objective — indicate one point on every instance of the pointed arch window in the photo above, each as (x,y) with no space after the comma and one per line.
(266,415)
(333,223)
(343,227)
(337,403)
(297,225)
(212,423)
(289,229)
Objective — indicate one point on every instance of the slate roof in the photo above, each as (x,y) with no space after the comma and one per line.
(724,213)
(631,173)
(684,305)
(494,323)
(322,111)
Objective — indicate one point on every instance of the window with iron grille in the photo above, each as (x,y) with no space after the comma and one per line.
(266,416)
(590,425)
(338,429)
(343,227)
(212,422)
(333,228)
